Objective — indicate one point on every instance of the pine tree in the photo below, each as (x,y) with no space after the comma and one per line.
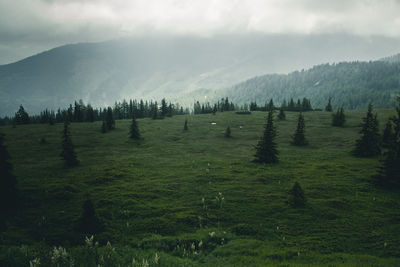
(21,117)
(338,119)
(103,127)
(329,106)
(369,143)
(164,108)
(68,153)
(389,173)
(185,126)
(134,130)
(110,122)
(228,132)
(88,223)
(282,115)
(388,137)
(296,196)
(266,149)
(8,182)
(299,138)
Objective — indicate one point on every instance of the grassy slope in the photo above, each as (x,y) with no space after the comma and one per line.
(156,186)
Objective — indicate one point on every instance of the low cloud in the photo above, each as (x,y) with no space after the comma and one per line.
(47,23)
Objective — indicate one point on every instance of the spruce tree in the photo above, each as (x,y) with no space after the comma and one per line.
(21,117)
(68,153)
(338,119)
(185,126)
(110,122)
(266,149)
(8,182)
(369,143)
(389,173)
(282,115)
(296,196)
(134,130)
(228,132)
(388,137)
(103,127)
(299,138)
(329,106)
(89,223)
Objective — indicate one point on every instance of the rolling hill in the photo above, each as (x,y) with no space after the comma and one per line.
(171,67)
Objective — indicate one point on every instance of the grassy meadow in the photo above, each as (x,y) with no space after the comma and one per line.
(195,198)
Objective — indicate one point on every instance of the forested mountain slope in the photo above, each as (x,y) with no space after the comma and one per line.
(350,84)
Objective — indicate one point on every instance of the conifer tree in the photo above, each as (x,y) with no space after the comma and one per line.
(8,182)
(282,115)
(369,143)
(164,108)
(68,153)
(185,126)
(110,122)
(266,149)
(21,117)
(329,106)
(89,223)
(299,138)
(134,130)
(296,196)
(389,173)
(228,132)
(388,136)
(339,118)
(103,127)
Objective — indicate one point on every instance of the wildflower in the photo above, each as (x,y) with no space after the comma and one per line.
(35,262)
(200,243)
(211,234)
(156,258)
(89,241)
(193,246)
(145,263)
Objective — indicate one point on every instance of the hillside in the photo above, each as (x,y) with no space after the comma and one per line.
(350,84)
(171,67)
(164,195)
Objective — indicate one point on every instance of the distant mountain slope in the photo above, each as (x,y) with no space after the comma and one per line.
(171,67)
(392,59)
(350,84)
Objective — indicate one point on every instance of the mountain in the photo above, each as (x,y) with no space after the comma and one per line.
(350,84)
(165,66)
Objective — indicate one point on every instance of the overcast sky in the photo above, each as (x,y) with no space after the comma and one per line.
(31,26)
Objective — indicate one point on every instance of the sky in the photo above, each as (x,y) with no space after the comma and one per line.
(31,26)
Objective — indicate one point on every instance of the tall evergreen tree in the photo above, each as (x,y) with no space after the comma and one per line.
(89,223)
(329,106)
(282,115)
(388,137)
(369,143)
(296,196)
(68,153)
(110,122)
(299,138)
(21,117)
(228,132)
(103,127)
(339,118)
(185,126)
(8,182)
(164,108)
(134,130)
(266,149)
(389,173)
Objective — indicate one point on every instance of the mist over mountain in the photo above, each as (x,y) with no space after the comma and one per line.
(171,67)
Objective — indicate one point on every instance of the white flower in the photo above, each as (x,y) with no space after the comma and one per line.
(156,258)
(211,234)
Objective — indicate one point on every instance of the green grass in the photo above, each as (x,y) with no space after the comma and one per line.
(149,193)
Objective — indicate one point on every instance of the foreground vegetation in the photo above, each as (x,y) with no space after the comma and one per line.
(196,198)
